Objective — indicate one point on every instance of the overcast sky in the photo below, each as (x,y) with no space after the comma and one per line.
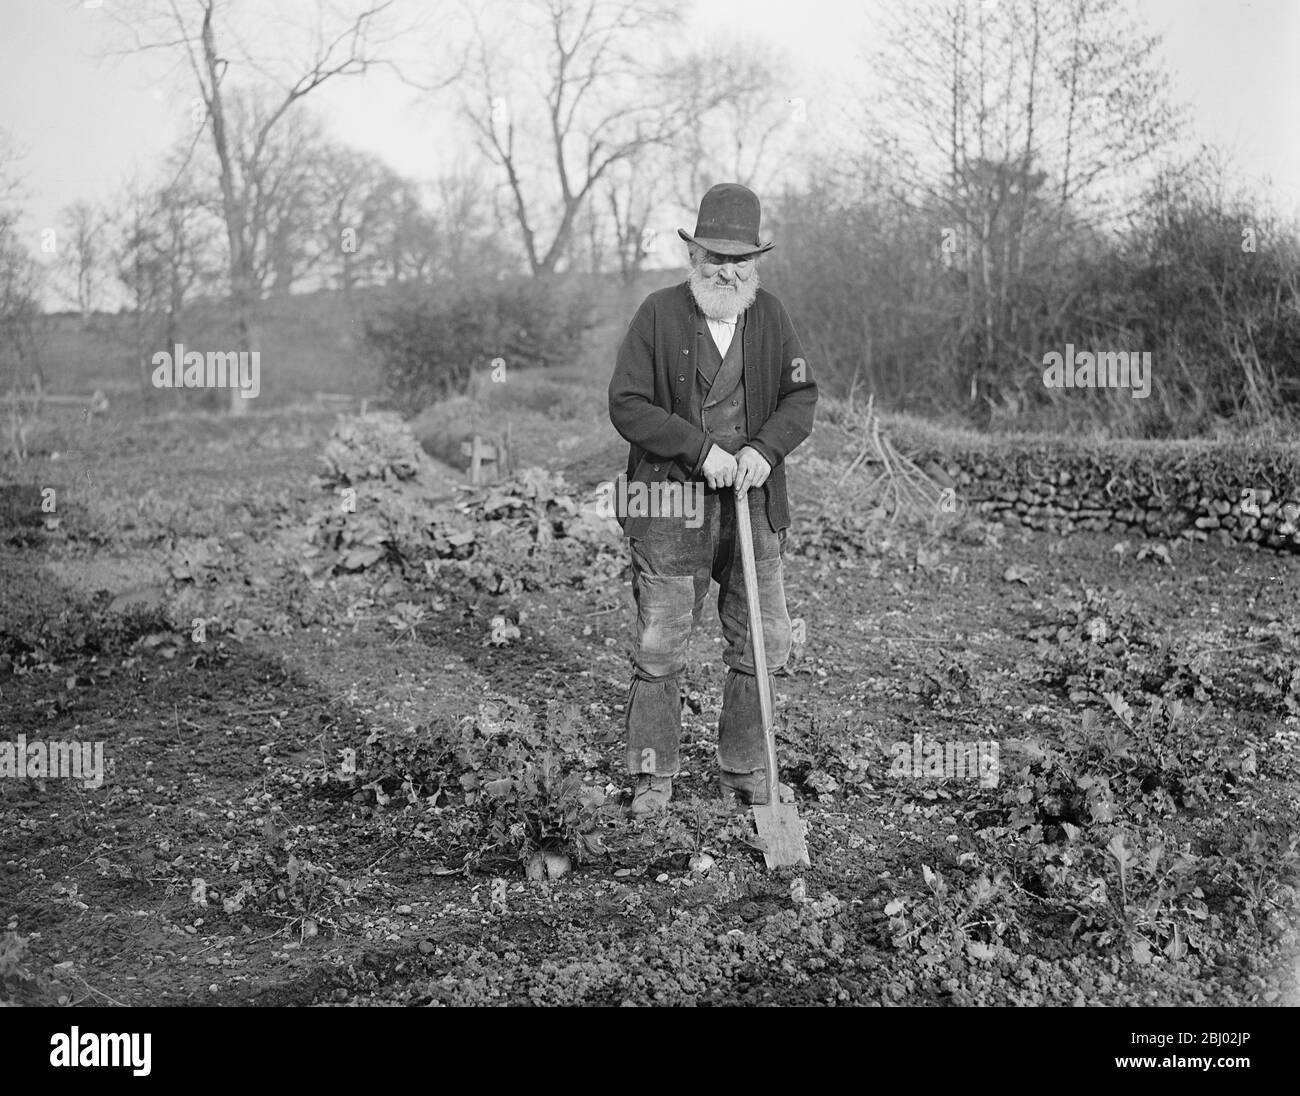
(87,125)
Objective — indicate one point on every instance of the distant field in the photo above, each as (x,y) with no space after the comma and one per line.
(309,343)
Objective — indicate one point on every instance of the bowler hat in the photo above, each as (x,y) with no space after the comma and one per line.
(728,221)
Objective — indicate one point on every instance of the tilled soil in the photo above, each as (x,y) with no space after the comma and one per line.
(229,859)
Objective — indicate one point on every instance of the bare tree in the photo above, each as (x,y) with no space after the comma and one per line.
(279,189)
(596,99)
(84,253)
(20,309)
(404,232)
(1014,123)
(382,228)
(201,34)
(728,124)
(733,113)
(166,249)
(633,190)
(20,302)
(346,178)
(469,230)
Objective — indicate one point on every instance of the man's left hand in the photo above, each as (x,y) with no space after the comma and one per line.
(751,469)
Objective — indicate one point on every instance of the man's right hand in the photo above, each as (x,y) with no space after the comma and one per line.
(719,468)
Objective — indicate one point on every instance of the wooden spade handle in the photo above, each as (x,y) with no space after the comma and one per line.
(746,535)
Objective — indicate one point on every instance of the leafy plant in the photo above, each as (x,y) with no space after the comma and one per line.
(973,919)
(1160,906)
(505,773)
(405,618)
(543,808)
(14,975)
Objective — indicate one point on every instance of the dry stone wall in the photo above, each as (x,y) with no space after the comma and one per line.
(1237,492)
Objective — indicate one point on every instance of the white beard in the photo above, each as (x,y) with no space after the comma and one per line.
(723,302)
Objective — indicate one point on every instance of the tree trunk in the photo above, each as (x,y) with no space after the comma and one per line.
(243,294)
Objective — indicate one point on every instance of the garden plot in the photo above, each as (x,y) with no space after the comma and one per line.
(389,770)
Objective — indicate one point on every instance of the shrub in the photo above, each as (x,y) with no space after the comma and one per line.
(431,342)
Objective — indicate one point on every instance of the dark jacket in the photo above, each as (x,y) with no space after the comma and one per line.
(652,394)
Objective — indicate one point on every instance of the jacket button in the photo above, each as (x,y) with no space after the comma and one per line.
(681,377)
(656,468)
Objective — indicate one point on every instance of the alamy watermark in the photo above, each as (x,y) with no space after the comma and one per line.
(116,1050)
(935,760)
(1104,369)
(183,368)
(665,499)
(82,761)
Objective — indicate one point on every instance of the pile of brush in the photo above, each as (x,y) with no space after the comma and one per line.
(899,487)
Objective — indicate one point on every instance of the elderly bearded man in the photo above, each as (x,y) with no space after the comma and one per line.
(711,390)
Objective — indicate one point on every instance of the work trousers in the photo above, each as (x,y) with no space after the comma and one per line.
(671,568)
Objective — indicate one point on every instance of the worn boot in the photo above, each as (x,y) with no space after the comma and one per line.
(751,788)
(652,794)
